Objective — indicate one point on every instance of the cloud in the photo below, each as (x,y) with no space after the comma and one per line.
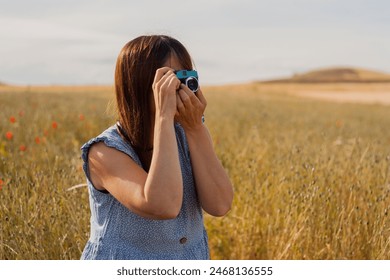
(77,41)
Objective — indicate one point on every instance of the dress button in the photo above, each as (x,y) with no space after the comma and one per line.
(183,240)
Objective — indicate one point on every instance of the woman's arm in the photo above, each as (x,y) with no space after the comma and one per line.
(214,189)
(213,185)
(157,194)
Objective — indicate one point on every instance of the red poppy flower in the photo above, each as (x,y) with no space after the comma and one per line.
(22,148)
(54,125)
(1,184)
(37,140)
(81,117)
(12,119)
(9,135)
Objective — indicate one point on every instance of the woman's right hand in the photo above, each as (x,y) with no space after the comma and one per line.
(158,193)
(165,85)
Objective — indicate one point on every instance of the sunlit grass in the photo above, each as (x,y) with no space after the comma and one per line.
(311,178)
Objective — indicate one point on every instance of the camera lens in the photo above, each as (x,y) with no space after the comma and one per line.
(192,84)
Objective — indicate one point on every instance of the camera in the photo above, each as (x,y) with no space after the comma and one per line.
(189,78)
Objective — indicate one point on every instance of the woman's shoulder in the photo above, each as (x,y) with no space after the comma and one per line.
(112,139)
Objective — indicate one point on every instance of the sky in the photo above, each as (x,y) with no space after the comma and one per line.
(76,42)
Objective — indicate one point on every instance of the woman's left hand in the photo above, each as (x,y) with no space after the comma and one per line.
(190,108)
(214,189)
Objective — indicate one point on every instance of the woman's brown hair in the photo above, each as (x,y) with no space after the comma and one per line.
(134,74)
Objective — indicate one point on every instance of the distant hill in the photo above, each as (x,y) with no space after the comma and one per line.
(336,75)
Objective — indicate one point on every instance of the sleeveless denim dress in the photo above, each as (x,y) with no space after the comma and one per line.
(118,233)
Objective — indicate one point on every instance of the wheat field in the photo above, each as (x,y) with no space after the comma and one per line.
(311,177)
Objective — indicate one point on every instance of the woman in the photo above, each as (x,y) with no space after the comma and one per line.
(152,173)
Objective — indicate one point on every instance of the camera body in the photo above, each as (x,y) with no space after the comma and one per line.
(189,78)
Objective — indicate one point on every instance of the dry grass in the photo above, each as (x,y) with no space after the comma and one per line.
(311,178)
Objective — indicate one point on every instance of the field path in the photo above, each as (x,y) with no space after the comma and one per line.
(377,97)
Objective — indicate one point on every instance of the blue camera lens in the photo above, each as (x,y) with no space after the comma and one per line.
(192,84)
